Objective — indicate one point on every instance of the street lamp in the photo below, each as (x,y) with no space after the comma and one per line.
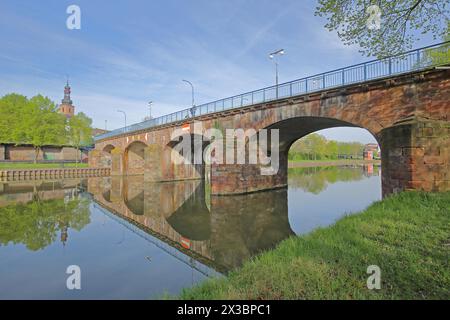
(193,103)
(125,115)
(272,57)
(150,108)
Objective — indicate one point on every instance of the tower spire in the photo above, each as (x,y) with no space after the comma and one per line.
(66,107)
(66,99)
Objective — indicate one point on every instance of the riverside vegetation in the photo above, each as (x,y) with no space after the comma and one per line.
(407,235)
(36,121)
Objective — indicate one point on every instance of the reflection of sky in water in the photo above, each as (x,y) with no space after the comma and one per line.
(308,211)
(112,260)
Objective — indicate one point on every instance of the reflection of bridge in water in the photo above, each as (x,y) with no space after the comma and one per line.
(175,217)
(207,233)
(166,247)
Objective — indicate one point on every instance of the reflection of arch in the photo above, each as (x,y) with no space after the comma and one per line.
(192,220)
(245,225)
(236,228)
(107,195)
(133,194)
(136,205)
(134,158)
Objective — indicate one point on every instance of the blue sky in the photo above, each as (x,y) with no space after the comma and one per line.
(130,52)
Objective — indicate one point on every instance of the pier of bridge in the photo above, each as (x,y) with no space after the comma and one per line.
(403,101)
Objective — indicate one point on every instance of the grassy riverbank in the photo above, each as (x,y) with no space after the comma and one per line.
(18,165)
(406,235)
(326,163)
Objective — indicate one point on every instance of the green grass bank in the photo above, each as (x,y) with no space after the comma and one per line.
(407,235)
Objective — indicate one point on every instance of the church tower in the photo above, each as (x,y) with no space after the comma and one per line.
(66,107)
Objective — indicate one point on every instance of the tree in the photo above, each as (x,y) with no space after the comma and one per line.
(440,55)
(35,121)
(320,144)
(40,125)
(400,22)
(30,121)
(80,131)
(332,149)
(11,107)
(315,146)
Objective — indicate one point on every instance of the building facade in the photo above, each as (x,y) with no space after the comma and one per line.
(371,151)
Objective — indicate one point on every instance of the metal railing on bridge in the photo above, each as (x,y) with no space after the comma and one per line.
(414,60)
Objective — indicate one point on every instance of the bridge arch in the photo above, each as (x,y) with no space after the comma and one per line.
(248,177)
(109,148)
(134,158)
(195,161)
(106,155)
(295,128)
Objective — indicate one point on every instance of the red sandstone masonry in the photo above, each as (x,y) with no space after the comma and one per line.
(413,153)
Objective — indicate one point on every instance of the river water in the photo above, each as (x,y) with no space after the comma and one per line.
(136,240)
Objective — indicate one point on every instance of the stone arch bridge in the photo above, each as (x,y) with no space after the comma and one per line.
(406,109)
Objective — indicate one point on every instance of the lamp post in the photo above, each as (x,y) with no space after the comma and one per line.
(193,102)
(125,115)
(150,109)
(272,57)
